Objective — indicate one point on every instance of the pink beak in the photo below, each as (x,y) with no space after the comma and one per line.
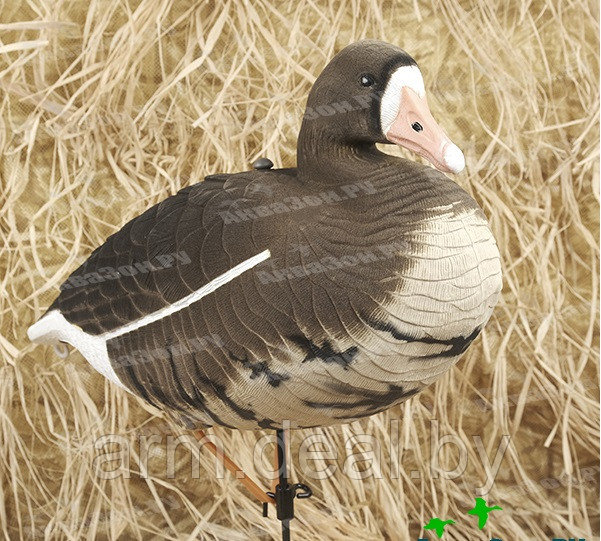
(415,128)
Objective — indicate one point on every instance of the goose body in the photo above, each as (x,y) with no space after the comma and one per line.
(314,295)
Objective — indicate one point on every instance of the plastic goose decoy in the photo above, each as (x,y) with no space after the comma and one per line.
(319,294)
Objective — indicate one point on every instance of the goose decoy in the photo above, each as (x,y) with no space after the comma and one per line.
(317,294)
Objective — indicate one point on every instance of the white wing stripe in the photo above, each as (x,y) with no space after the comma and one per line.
(53,328)
(191,298)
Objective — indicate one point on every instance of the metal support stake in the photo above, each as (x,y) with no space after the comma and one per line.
(284,492)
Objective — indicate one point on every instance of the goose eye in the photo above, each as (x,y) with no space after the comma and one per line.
(417,126)
(367,80)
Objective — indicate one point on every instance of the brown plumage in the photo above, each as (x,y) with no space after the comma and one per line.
(382,272)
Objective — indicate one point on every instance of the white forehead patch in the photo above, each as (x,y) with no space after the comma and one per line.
(408,76)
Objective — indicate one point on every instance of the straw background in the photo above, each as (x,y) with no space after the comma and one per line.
(109,106)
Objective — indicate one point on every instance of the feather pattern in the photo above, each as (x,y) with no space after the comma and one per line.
(381,273)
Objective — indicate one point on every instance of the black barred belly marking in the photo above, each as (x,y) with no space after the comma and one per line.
(325,353)
(260,369)
(456,345)
(368,402)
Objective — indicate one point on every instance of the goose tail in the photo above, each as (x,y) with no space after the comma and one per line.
(50,330)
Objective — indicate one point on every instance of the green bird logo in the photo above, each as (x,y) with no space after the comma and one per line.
(438,525)
(481,510)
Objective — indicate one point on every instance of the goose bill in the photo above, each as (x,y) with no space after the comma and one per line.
(430,141)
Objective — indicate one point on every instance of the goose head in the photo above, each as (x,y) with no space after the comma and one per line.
(373,92)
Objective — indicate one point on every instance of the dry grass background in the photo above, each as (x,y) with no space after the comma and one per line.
(107,107)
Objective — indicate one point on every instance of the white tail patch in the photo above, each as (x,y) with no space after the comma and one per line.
(54,328)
